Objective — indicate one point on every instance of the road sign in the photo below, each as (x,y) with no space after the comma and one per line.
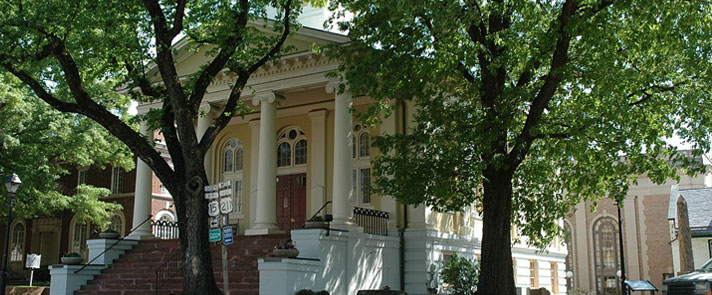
(214,222)
(210,196)
(214,235)
(33,261)
(225,205)
(227,235)
(224,184)
(213,208)
(225,192)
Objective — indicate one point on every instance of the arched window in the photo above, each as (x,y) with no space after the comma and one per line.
(291,147)
(117,223)
(364,143)
(79,235)
(284,155)
(300,152)
(361,152)
(233,163)
(238,159)
(232,156)
(605,251)
(17,243)
(227,165)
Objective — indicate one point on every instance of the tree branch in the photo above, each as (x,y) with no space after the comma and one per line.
(243,76)
(278,46)
(178,20)
(218,63)
(136,142)
(548,89)
(647,95)
(142,82)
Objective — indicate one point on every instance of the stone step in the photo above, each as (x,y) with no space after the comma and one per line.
(134,271)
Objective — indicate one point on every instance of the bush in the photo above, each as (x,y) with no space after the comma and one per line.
(72,254)
(460,275)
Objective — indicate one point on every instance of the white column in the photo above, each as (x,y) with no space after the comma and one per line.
(630,234)
(204,121)
(266,214)
(343,163)
(388,203)
(143,194)
(254,168)
(317,160)
(581,265)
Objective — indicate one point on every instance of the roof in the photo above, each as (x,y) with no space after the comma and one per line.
(699,206)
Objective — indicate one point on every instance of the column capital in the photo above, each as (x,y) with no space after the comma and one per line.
(333,86)
(205,108)
(266,97)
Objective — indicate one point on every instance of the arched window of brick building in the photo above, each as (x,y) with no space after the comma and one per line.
(605,250)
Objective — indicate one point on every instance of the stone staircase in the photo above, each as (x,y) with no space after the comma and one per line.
(135,271)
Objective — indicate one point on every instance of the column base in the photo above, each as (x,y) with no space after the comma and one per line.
(347,226)
(141,235)
(263,231)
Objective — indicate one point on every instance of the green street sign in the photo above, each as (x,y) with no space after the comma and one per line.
(214,235)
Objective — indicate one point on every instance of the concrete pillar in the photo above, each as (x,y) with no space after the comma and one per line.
(204,121)
(143,194)
(317,156)
(581,265)
(254,168)
(388,203)
(266,215)
(630,236)
(343,195)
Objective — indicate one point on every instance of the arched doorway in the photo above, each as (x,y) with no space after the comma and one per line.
(605,251)
(292,178)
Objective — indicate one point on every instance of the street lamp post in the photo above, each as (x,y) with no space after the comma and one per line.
(624,290)
(12,183)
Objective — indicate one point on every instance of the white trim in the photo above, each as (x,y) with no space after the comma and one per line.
(121,215)
(166,212)
(72,224)
(11,236)
(292,168)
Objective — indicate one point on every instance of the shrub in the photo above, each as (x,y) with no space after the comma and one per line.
(72,254)
(460,275)
(304,292)
(317,219)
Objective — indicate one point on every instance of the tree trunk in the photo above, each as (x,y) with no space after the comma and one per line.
(496,272)
(192,208)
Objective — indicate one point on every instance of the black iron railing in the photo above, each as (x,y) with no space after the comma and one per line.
(165,230)
(114,244)
(373,221)
(168,270)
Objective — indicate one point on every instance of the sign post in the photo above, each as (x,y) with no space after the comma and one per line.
(32,262)
(219,206)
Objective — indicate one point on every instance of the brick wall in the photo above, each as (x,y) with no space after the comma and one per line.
(657,233)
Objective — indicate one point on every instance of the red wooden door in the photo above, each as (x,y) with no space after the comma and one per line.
(291,201)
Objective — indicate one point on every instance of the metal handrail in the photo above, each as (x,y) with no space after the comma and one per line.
(322,208)
(172,260)
(114,244)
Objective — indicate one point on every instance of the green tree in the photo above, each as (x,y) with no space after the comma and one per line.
(42,144)
(460,274)
(63,49)
(525,108)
